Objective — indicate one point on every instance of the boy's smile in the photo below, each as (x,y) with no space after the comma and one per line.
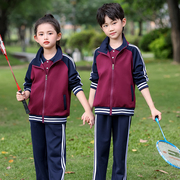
(112,34)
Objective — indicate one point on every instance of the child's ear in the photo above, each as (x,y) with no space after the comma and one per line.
(124,22)
(36,39)
(59,36)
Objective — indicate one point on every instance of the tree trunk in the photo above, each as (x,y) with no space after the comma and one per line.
(131,27)
(140,27)
(3,23)
(22,31)
(174,13)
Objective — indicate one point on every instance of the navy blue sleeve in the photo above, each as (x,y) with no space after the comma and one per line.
(28,81)
(139,70)
(74,78)
(94,77)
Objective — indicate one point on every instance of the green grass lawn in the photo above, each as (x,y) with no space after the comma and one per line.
(144,161)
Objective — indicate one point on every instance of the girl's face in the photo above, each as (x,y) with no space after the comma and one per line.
(47,36)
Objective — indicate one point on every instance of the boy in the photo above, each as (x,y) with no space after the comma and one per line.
(117,67)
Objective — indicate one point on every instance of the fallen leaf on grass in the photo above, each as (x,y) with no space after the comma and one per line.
(134,150)
(12,156)
(143,141)
(146,145)
(140,176)
(2,139)
(69,172)
(11,160)
(4,152)
(92,142)
(162,171)
(90,148)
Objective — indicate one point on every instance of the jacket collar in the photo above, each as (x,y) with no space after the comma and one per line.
(104,46)
(39,56)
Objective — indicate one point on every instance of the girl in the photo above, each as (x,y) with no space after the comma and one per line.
(50,77)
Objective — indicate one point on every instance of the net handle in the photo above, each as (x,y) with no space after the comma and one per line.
(157,120)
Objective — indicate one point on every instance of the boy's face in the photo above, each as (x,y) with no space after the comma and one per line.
(113,29)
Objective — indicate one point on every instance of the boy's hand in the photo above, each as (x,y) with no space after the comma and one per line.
(89,118)
(154,113)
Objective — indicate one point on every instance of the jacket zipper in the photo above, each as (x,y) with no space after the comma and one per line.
(111,96)
(44,99)
(112,80)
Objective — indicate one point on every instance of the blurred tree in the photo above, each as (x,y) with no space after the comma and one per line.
(5,9)
(25,14)
(21,14)
(174,13)
(140,10)
(78,12)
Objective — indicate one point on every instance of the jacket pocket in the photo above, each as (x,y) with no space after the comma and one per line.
(65,103)
(132,93)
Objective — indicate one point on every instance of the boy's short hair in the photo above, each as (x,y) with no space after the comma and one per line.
(112,10)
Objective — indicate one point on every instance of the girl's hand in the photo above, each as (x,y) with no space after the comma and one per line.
(21,96)
(89,118)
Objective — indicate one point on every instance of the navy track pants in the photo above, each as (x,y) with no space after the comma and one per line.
(118,127)
(49,149)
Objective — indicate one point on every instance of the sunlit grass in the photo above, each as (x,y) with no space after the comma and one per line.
(143,158)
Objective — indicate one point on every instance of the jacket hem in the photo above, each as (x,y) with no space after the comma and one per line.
(47,119)
(115,111)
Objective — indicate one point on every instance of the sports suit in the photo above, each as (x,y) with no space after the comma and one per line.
(50,83)
(114,75)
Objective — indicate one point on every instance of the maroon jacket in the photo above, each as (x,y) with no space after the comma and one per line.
(114,75)
(50,83)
